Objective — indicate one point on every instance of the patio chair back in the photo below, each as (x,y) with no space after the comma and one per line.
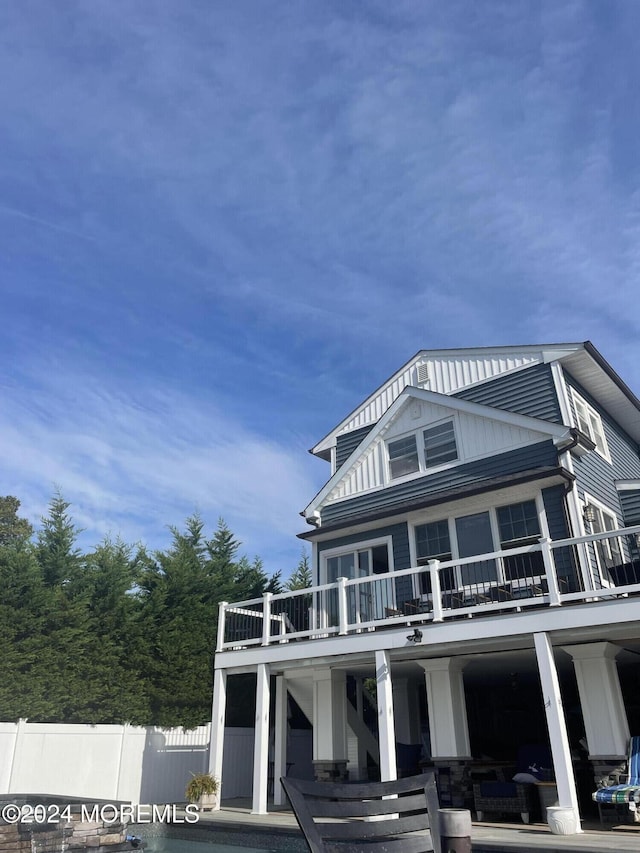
(629,791)
(376,817)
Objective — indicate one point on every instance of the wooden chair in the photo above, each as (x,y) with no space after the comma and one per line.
(367,817)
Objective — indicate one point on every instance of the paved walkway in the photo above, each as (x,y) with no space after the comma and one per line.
(486,836)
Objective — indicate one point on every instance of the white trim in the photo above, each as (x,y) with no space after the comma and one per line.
(423,468)
(557,374)
(588,499)
(598,436)
(365,545)
(544,353)
(627,485)
(447,513)
(554,431)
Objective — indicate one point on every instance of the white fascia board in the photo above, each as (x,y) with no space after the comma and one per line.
(557,432)
(589,621)
(627,485)
(548,353)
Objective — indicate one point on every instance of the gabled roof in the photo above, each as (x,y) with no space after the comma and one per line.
(556,432)
(450,370)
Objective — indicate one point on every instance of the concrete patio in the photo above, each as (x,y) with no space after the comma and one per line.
(487,836)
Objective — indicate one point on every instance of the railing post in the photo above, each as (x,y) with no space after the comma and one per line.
(550,571)
(222,615)
(266,616)
(342,606)
(436,591)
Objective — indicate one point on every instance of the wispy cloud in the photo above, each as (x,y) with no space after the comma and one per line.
(133,461)
(278,204)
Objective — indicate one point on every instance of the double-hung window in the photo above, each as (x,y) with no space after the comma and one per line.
(422,451)
(439,445)
(518,525)
(590,423)
(608,551)
(403,457)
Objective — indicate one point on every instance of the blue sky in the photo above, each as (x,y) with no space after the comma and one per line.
(222,224)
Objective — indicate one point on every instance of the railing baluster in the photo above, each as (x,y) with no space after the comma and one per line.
(550,571)
(222,617)
(342,606)
(266,618)
(436,591)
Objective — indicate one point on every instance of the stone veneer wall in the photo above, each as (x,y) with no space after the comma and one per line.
(73,836)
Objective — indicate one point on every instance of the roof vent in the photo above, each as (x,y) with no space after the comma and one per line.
(422,372)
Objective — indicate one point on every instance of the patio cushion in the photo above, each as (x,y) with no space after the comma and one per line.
(618,794)
(498,789)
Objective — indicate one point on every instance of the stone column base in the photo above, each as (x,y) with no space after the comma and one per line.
(454,783)
(330,770)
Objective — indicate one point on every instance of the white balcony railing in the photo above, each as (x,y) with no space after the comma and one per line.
(549,573)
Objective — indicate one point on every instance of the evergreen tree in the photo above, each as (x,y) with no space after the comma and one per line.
(301,577)
(13,529)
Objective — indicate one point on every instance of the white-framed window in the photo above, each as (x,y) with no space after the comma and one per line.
(497,528)
(424,450)
(590,423)
(370,599)
(608,552)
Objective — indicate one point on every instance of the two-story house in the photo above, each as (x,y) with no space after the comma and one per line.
(476,567)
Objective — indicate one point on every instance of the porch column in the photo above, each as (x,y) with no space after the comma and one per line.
(448,725)
(280,745)
(386,724)
(330,725)
(605,718)
(560,751)
(261,742)
(218,713)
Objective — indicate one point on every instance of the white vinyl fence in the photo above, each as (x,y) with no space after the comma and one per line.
(140,765)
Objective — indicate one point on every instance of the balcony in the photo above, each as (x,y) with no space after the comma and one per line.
(550,573)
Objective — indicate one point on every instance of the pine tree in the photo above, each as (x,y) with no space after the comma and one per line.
(301,577)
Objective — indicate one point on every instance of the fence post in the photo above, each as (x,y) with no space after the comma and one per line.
(222,615)
(550,571)
(342,606)
(455,830)
(436,591)
(266,618)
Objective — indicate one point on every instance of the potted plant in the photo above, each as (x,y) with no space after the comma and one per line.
(203,789)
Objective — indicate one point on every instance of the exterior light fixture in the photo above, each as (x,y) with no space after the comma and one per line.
(589,514)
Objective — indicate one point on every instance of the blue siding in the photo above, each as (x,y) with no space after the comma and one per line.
(516,461)
(348,441)
(594,474)
(555,510)
(630,501)
(527,392)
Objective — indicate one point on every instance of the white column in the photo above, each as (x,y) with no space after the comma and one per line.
(603,711)
(280,746)
(218,713)
(565,782)
(329,715)
(447,708)
(386,726)
(261,743)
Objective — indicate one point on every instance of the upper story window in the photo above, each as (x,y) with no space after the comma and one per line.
(590,423)
(403,456)
(437,445)
(518,524)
